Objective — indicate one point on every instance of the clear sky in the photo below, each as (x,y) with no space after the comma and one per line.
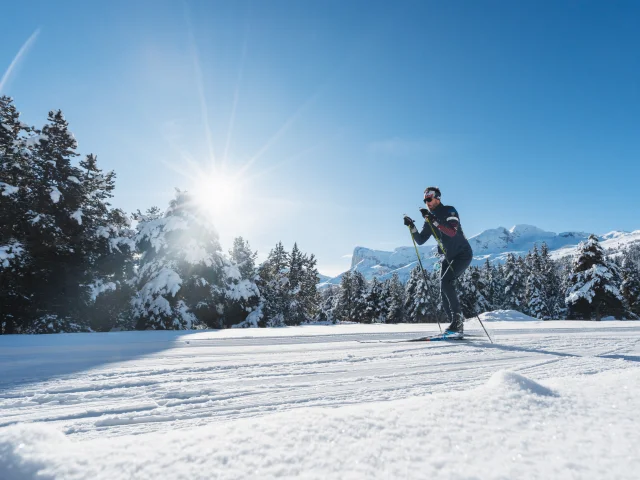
(322,122)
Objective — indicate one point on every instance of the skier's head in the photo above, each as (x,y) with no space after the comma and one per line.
(432,197)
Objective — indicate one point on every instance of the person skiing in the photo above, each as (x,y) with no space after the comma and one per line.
(443,222)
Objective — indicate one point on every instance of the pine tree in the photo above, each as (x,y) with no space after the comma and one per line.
(16,181)
(630,287)
(594,285)
(344,302)
(303,293)
(359,300)
(472,301)
(535,291)
(73,247)
(514,284)
(415,298)
(421,298)
(273,283)
(328,301)
(181,279)
(552,284)
(493,284)
(241,294)
(395,299)
(375,311)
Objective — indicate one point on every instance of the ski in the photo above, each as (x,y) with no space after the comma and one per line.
(431,338)
(445,338)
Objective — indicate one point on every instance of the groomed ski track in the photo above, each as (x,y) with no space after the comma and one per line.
(102,385)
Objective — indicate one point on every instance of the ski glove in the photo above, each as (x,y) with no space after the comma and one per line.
(429,216)
(409,222)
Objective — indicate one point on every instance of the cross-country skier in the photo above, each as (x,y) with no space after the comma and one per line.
(443,222)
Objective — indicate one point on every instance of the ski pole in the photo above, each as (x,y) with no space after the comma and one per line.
(444,252)
(424,274)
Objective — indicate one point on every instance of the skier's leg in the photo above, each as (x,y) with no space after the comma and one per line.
(458,266)
(446,277)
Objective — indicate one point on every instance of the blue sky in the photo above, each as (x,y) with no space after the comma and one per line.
(328,119)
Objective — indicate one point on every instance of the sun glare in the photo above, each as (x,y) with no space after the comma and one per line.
(217,193)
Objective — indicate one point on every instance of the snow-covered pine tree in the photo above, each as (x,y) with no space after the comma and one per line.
(16,180)
(594,285)
(633,251)
(309,295)
(415,298)
(493,284)
(470,289)
(564,267)
(535,291)
(303,293)
(394,292)
(552,283)
(73,246)
(434,281)
(181,279)
(108,246)
(359,300)
(344,302)
(630,287)
(241,293)
(295,309)
(375,311)
(328,300)
(273,283)
(421,298)
(514,284)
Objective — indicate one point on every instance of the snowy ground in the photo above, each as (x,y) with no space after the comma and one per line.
(547,400)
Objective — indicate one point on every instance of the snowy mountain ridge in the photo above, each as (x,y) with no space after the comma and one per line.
(492,244)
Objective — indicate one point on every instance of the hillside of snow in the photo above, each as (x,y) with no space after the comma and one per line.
(493,244)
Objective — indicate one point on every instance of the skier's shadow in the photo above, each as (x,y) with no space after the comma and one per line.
(512,348)
(631,358)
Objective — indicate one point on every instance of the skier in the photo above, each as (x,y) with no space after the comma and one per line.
(443,222)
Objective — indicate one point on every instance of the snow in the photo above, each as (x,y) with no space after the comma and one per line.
(55,194)
(7,190)
(101,287)
(10,252)
(77,216)
(73,179)
(506,315)
(34,140)
(547,400)
(493,244)
(165,282)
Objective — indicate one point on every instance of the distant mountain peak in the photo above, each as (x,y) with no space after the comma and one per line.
(492,244)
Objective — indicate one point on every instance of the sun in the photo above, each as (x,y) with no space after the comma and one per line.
(217,192)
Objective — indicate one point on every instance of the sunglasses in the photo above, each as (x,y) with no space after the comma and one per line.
(428,199)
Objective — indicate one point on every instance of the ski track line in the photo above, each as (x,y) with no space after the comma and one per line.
(166,390)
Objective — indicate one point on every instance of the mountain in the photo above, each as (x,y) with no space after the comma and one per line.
(493,244)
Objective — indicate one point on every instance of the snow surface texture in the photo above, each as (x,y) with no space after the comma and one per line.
(494,244)
(548,400)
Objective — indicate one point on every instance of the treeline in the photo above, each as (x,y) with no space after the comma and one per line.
(70,262)
(591,286)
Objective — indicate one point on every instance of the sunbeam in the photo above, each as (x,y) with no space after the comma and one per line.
(23,50)
(198,75)
(235,103)
(283,129)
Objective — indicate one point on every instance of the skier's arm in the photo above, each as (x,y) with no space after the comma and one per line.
(423,236)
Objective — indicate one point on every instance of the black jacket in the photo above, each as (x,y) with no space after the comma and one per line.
(448,231)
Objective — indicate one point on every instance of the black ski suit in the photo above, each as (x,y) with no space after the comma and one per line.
(457,255)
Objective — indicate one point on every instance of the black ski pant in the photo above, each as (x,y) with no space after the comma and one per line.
(450,270)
